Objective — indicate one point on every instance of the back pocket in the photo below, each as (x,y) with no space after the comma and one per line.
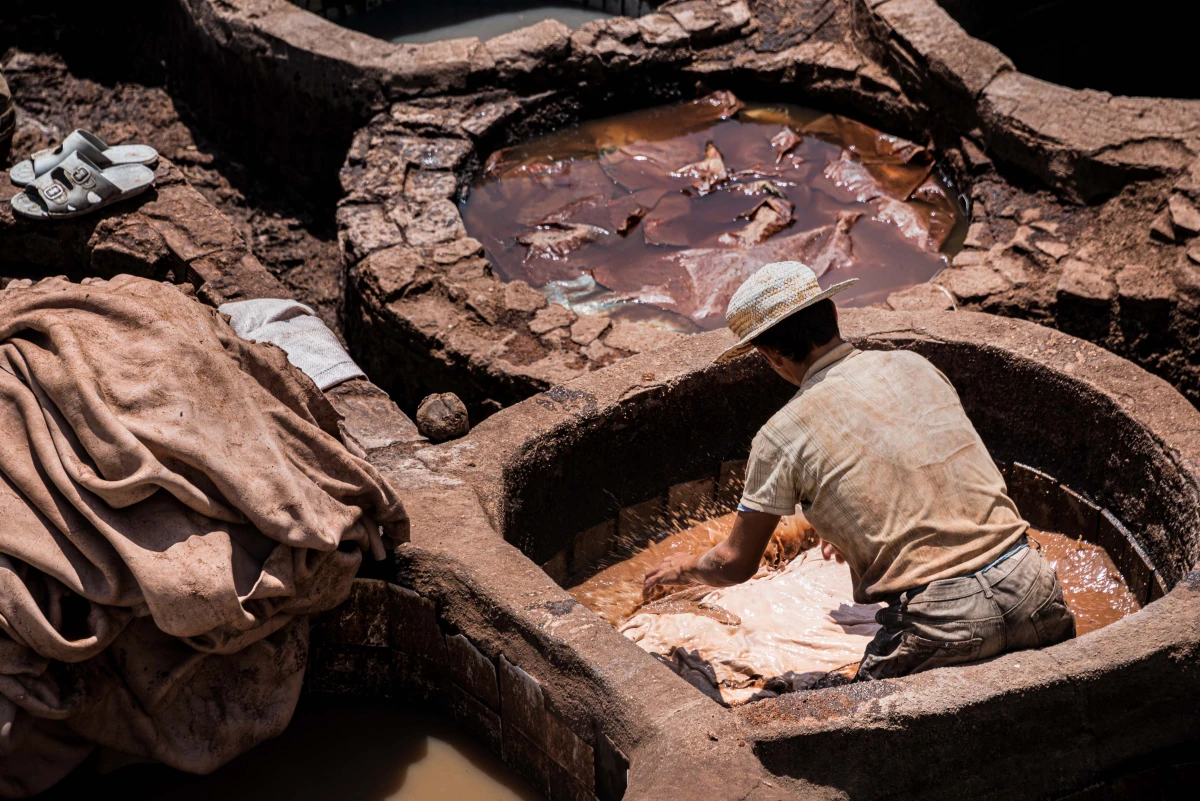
(917,654)
(1053,621)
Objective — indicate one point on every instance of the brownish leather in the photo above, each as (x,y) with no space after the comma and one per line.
(173,510)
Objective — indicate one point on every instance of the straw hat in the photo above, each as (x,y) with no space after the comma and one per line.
(776,291)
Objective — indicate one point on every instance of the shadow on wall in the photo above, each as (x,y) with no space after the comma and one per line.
(1142,50)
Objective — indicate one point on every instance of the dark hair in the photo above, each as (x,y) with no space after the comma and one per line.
(797,335)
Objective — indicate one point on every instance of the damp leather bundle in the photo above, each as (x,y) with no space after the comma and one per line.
(784,629)
(176,503)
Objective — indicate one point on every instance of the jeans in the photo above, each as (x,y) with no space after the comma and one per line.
(1012,605)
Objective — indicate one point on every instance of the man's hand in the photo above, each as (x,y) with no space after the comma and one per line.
(727,563)
(674,571)
(830,552)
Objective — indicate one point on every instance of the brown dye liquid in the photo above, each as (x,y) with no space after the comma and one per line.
(615,593)
(674,207)
(1093,587)
(331,752)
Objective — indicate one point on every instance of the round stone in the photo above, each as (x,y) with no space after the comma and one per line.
(441,417)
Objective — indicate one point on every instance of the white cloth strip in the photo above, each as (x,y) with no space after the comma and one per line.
(304,337)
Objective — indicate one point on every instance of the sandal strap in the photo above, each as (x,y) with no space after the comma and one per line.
(68,187)
(78,141)
(89,146)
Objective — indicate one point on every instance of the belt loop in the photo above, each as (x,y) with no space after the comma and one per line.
(987,588)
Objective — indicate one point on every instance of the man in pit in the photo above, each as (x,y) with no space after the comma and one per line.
(876,448)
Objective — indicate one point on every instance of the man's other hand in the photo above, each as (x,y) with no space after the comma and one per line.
(830,552)
(674,571)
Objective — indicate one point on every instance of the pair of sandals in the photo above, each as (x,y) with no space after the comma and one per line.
(82,175)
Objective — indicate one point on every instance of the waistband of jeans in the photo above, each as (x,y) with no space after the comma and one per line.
(1020,545)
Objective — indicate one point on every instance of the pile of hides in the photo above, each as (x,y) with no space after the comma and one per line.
(176,503)
(786,629)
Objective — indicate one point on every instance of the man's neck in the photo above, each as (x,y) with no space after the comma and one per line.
(800,370)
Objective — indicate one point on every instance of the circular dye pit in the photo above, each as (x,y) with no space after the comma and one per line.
(662,213)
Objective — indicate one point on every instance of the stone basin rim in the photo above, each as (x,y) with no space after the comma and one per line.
(1074,676)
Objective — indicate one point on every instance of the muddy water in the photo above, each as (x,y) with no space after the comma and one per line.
(331,752)
(615,593)
(1093,588)
(673,207)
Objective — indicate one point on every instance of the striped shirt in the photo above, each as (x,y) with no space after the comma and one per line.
(878,451)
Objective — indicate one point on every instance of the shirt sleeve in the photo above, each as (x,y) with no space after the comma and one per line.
(770,479)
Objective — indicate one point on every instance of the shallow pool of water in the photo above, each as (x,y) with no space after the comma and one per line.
(673,207)
(333,750)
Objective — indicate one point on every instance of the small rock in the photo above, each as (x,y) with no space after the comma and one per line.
(1193,253)
(597,351)
(439,222)
(1014,267)
(1189,182)
(1184,215)
(623,29)
(426,186)
(1023,239)
(975,156)
(442,417)
(588,328)
(1045,225)
(695,16)
(1029,215)
(968,257)
(1162,228)
(521,297)
(661,29)
(1143,284)
(978,236)
(1088,282)
(529,49)
(390,271)
(734,16)
(551,317)
(1056,250)
(555,338)
(458,250)
(366,229)
(974,282)
(922,297)
(482,306)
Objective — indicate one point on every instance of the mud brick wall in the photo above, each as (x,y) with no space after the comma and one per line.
(387,641)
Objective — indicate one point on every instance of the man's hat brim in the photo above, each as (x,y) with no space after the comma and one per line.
(747,342)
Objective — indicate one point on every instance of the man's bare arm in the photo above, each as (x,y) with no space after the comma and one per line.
(730,562)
